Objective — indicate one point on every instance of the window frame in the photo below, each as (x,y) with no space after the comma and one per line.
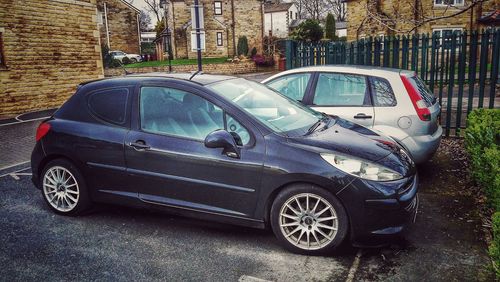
(372,93)
(454,4)
(97,117)
(440,40)
(312,91)
(221,43)
(216,8)
(215,102)
(3,64)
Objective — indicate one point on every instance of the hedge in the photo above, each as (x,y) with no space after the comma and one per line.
(482,142)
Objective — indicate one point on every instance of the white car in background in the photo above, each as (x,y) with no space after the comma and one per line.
(392,101)
(119,55)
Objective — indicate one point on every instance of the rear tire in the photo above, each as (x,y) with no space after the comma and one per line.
(64,189)
(309,220)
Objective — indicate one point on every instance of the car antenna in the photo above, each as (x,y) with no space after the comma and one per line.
(195,73)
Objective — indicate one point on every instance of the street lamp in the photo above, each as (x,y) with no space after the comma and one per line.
(166,34)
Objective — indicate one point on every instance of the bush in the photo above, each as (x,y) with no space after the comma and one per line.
(495,244)
(309,30)
(126,61)
(330,30)
(263,61)
(254,52)
(482,141)
(242,46)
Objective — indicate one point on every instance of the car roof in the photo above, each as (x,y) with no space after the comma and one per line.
(200,79)
(363,70)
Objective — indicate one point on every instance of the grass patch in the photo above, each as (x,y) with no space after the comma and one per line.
(178,62)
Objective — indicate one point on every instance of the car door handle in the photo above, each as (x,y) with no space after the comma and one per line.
(139,146)
(362,116)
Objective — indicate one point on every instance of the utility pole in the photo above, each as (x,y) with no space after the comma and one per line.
(198,32)
(167,36)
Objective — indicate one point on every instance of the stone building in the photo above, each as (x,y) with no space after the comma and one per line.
(119,25)
(224,22)
(389,17)
(47,48)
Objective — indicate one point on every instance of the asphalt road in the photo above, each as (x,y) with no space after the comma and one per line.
(114,243)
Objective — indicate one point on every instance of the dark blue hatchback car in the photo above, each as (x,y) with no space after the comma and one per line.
(227,149)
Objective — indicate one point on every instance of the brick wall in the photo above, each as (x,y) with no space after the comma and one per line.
(248,16)
(122,26)
(226,68)
(50,46)
(361,23)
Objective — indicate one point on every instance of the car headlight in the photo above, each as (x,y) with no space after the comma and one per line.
(361,168)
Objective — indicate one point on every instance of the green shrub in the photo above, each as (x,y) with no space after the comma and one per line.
(495,244)
(309,30)
(482,141)
(330,31)
(242,46)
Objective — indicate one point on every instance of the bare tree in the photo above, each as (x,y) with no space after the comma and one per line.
(144,21)
(153,6)
(399,22)
(311,9)
(338,8)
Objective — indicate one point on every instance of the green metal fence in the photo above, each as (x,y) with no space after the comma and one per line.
(460,68)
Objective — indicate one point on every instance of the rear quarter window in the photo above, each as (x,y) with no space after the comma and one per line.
(424,91)
(109,105)
(383,95)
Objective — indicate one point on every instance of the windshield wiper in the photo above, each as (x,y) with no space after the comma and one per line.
(317,124)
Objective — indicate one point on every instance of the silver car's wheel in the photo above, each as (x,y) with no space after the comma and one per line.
(308,221)
(61,189)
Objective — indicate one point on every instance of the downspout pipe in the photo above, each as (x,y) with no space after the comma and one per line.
(233,26)
(107,26)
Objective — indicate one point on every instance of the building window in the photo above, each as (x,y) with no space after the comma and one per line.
(444,35)
(219,39)
(291,15)
(448,2)
(100,17)
(218,7)
(2,57)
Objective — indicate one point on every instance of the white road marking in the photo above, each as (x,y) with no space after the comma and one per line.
(7,167)
(13,175)
(23,173)
(247,278)
(15,172)
(23,121)
(354,266)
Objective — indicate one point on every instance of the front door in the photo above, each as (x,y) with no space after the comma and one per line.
(343,95)
(170,165)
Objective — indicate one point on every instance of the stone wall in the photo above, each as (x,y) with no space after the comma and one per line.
(361,23)
(226,68)
(50,46)
(248,16)
(122,26)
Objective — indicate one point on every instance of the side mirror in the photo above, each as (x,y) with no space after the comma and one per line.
(223,139)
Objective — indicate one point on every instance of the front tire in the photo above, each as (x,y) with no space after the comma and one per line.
(308,220)
(64,189)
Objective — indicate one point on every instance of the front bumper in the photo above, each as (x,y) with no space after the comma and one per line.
(386,209)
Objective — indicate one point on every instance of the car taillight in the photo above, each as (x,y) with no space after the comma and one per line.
(42,130)
(418,102)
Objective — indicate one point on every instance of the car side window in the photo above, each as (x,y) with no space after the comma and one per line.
(338,89)
(383,96)
(176,112)
(293,86)
(109,105)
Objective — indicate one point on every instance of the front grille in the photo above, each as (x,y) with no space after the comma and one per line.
(406,188)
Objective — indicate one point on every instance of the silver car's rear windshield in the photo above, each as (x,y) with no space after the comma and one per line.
(279,113)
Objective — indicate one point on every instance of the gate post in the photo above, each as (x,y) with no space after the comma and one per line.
(290,53)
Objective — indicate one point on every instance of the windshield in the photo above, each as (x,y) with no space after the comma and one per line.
(279,113)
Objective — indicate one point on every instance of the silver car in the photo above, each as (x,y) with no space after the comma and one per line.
(392,101)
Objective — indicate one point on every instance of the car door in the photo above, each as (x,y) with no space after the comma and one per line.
(169,163)
(294,85)
(344,95)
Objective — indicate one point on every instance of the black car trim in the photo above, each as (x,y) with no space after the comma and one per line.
(186,179)
(113,167)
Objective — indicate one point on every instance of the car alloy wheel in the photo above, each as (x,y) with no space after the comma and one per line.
(308,221)
(61,189)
